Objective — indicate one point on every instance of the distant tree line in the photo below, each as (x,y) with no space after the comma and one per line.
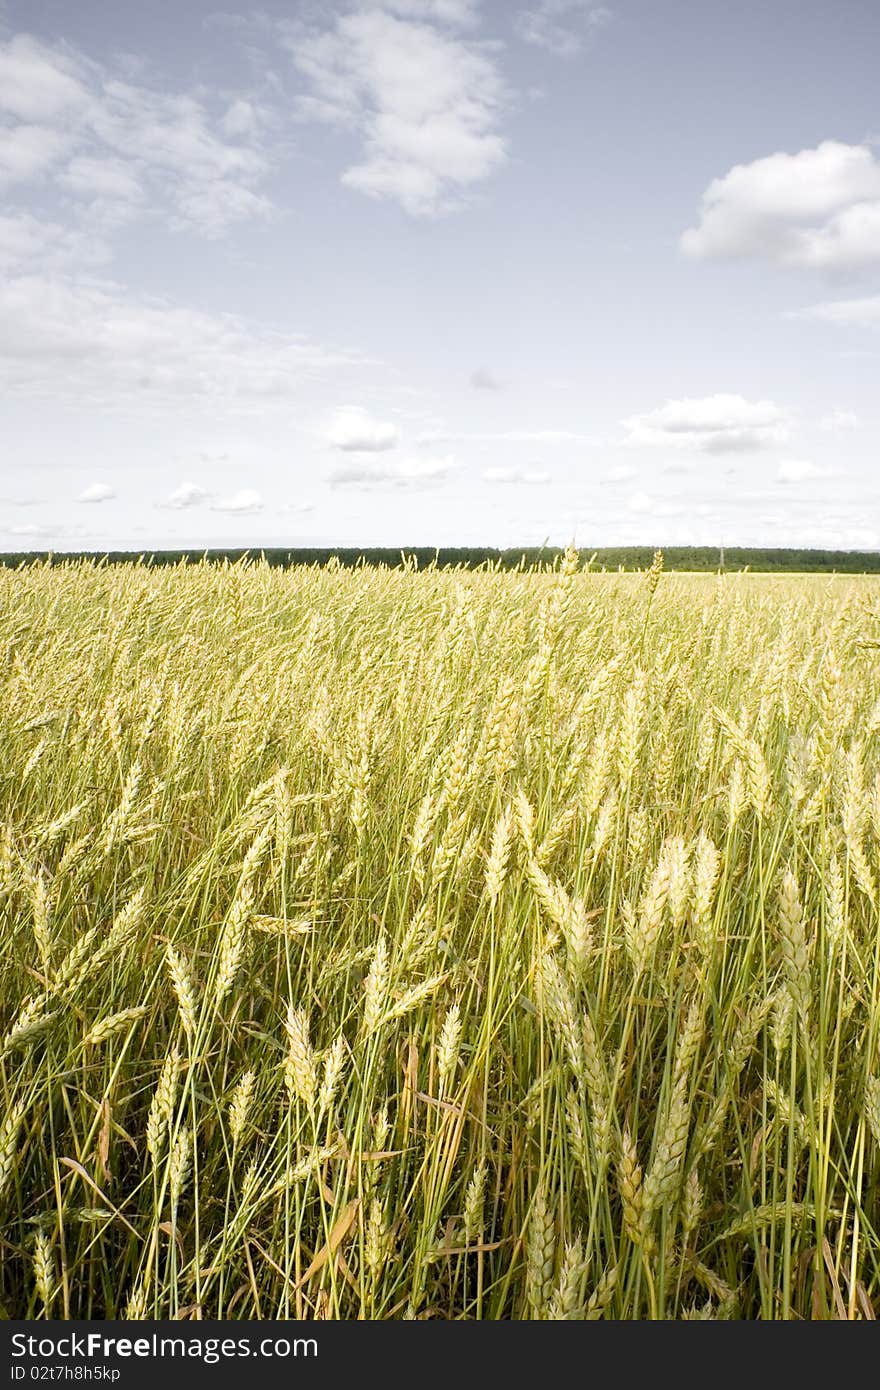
(706,558)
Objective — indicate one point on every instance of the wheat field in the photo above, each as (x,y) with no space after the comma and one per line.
(395,944)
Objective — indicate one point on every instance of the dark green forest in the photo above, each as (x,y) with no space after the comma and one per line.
(422,557)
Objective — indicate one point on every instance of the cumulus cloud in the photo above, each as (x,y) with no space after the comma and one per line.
(562,27)
(846,313)
(97,492)
(533,477)
(717,424)
(113,143)
(484,380)
(247,500)
(819,208)
(356,431)
(425,103)
(186,495)
(404,472)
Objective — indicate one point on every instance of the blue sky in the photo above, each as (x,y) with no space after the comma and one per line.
(439,272)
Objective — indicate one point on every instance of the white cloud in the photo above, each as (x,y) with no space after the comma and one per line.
(27,151)
(405,472)
(563,27)
(247,500)
(46,535)
(297,508)
(33,528)
(620,473)
(798,471)
(242,118)
(355,431)
(21,501)
(533,477)
(74,341)
(205,180)
(425,104)
(127,143)
(187,495)
(453,12)
(38,83)
(484,380)
(847,313)
(541,437)
(641,503)
(430,438)
(839,421)
(819,208)
(27,243)
(713,424)
(97,492)
(213,205)
(102,178)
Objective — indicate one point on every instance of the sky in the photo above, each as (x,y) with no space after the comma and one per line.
(439,272)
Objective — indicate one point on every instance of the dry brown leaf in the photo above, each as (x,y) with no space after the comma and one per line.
(337,1235)
(104,1140)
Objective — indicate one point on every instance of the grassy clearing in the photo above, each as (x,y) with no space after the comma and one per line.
(438,944)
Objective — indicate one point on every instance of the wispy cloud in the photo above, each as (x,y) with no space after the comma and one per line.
(38,83)
(401,473)
(839,422)
(798,471)
(641,503)
(69,340)
(29,244)
(29,151)
(620,473)
(562,27)
(21,501)
(531,477)
(431,437)
(453,12)
(116,146)
(424,102)
(45,531)
(845,313)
